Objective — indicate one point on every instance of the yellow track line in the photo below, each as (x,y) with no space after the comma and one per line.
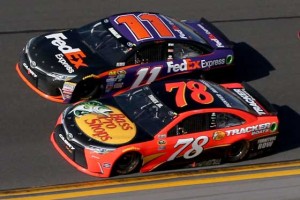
(122,181)
(178,183)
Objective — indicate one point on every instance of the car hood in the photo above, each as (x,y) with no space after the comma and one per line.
(61,52)
(95,123)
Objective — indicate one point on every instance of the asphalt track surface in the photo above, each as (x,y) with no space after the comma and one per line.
(266,33)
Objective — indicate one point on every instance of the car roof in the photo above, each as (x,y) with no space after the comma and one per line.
(145,27)
(216,95)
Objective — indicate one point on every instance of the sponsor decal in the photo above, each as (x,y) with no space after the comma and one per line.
(162,136)
(104,123)
(94,107)
(29,71)
(64,63)
(69,146)
(249,100)
(118,85)
(205,163)
(74,55)
(115,80)
(114,32)
(181,34)
(256,129)
(211,36)
(211,63)
(67,90)
(106,165)
(155,101)
(265,142)
(101,150)
(162,142)
(220,96)
(226,103)
(120,64)
(219,135)
(187,64)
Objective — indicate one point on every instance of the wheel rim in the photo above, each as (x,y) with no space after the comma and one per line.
(238,151)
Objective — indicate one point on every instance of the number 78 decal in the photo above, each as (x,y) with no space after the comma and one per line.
(197,147)
(198,92)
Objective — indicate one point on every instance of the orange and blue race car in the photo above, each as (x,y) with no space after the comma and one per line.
(166,124)
(121,52)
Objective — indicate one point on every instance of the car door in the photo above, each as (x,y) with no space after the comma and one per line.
(196,133)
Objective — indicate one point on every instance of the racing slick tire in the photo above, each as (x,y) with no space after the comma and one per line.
(85,90)
(237,151)
(129,162)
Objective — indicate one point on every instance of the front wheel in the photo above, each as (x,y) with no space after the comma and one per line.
(85,90)
(128,163)
(237,151)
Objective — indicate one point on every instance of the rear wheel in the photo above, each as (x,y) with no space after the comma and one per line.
(238,151)
(128,163)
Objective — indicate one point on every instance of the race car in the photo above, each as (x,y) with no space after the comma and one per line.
(120,52)
(164,125)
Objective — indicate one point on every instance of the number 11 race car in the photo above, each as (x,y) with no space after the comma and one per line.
(182,122)
(120,52)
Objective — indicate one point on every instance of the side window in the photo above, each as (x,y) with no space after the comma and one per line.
(150,53)
(223,120)
(192,124)
(182,50)
(205,122)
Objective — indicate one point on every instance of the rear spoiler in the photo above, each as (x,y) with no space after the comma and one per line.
(261,100)
(251,97)
(210,33)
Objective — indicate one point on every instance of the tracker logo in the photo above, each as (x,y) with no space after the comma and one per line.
(256,129)
(74,55)
(187,64)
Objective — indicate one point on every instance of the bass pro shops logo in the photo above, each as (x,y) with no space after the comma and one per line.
(75,56)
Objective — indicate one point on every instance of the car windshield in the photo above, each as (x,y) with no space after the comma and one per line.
(144,109)
(103,41)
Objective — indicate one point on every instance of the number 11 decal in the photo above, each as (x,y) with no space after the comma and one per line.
(137,25)
(141,74)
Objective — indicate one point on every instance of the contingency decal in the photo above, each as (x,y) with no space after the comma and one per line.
(103,123)
(198,92)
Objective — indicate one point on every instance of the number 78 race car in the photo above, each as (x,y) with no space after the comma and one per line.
(182,122)
(120,52)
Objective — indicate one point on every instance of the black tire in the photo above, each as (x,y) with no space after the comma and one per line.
(85,90)
(237,151)
(129,162)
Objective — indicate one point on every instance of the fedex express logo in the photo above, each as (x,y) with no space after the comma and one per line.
(74,55)
(188,64)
